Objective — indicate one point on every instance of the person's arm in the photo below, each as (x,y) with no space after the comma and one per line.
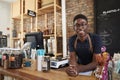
(72,60)
(75,68)
(72,69)
(88,67)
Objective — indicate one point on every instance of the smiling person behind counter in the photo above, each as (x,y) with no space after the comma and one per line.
(84,47)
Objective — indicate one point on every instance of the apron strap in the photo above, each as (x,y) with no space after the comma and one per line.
(90,42)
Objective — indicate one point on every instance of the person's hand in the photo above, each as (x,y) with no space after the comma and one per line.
(72,70)
(99,59)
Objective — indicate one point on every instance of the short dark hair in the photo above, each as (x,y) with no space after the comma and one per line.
(80,16)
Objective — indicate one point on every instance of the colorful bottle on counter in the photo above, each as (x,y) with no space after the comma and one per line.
(40,55)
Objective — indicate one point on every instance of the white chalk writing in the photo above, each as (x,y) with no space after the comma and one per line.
(111,11)
(105,35)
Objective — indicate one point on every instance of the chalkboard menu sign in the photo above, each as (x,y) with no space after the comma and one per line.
(107,22)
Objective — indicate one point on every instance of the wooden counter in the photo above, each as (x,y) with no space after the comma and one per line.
(22,74)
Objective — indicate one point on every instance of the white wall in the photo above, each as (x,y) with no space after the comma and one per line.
(5,20)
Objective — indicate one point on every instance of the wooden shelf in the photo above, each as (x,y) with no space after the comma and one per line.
(46,17)
(51,35)
(17,17)
(48,35)
(59,54)
(16,38)
(26,16)
(29,5)
(48,9)
(16,9)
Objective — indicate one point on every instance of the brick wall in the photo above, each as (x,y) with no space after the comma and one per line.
(74,7)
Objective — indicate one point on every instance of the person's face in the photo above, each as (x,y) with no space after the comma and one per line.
(81,26)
